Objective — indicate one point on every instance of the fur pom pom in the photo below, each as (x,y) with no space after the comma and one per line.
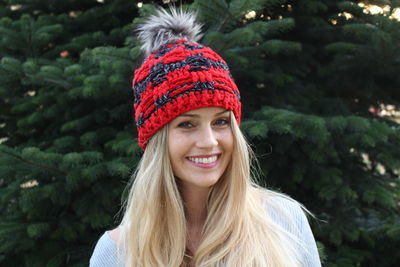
(165,28)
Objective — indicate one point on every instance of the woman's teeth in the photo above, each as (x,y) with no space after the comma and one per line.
(204,160)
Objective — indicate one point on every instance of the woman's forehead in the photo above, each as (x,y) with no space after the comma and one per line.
(205,111)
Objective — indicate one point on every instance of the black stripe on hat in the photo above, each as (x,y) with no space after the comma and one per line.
(159,71)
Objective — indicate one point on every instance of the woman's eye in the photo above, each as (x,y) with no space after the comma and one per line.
(185,125)
(188,125)
(222,122)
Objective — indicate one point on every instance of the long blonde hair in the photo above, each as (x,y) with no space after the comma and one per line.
(238,231)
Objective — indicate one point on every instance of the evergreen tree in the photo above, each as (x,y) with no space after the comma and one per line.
(68,142)
(309,74)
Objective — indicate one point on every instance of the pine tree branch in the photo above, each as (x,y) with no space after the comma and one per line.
(30,38)
(36,164)
(223,22)
(65,85)
(113,55)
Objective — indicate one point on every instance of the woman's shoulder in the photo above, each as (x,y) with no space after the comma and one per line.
(105,251)
(287,213)
(291,216)
(281,206)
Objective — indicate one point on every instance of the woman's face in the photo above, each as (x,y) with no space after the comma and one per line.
(200,144)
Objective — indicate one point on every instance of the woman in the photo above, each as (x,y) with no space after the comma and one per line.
(192,202)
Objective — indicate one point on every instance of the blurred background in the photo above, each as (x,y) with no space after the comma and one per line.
(320,86)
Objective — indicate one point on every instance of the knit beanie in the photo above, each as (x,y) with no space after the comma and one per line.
(178,74)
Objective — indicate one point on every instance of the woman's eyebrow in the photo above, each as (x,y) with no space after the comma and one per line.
(197,116)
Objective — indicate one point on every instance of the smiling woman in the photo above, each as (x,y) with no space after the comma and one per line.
(193,202)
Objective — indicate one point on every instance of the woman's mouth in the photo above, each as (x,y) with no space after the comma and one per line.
(205,161)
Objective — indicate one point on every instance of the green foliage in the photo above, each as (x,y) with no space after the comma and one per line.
(308,77)
(28,35)
(350,7)
(276,47)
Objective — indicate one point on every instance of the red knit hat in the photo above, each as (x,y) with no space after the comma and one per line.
(178,75)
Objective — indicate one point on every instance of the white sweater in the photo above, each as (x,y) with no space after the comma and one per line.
(105,252)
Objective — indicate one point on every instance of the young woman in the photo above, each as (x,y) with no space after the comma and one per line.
(192,202)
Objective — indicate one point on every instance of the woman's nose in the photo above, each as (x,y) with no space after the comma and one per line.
(207,137)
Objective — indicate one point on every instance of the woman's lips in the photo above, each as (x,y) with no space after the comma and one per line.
(205,155)
(205,161)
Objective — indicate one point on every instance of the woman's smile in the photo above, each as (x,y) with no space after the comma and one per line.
(205,161)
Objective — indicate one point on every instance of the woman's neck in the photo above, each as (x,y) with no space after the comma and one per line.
(195,202)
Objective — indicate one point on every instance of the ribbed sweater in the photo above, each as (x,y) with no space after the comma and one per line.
(105,251)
